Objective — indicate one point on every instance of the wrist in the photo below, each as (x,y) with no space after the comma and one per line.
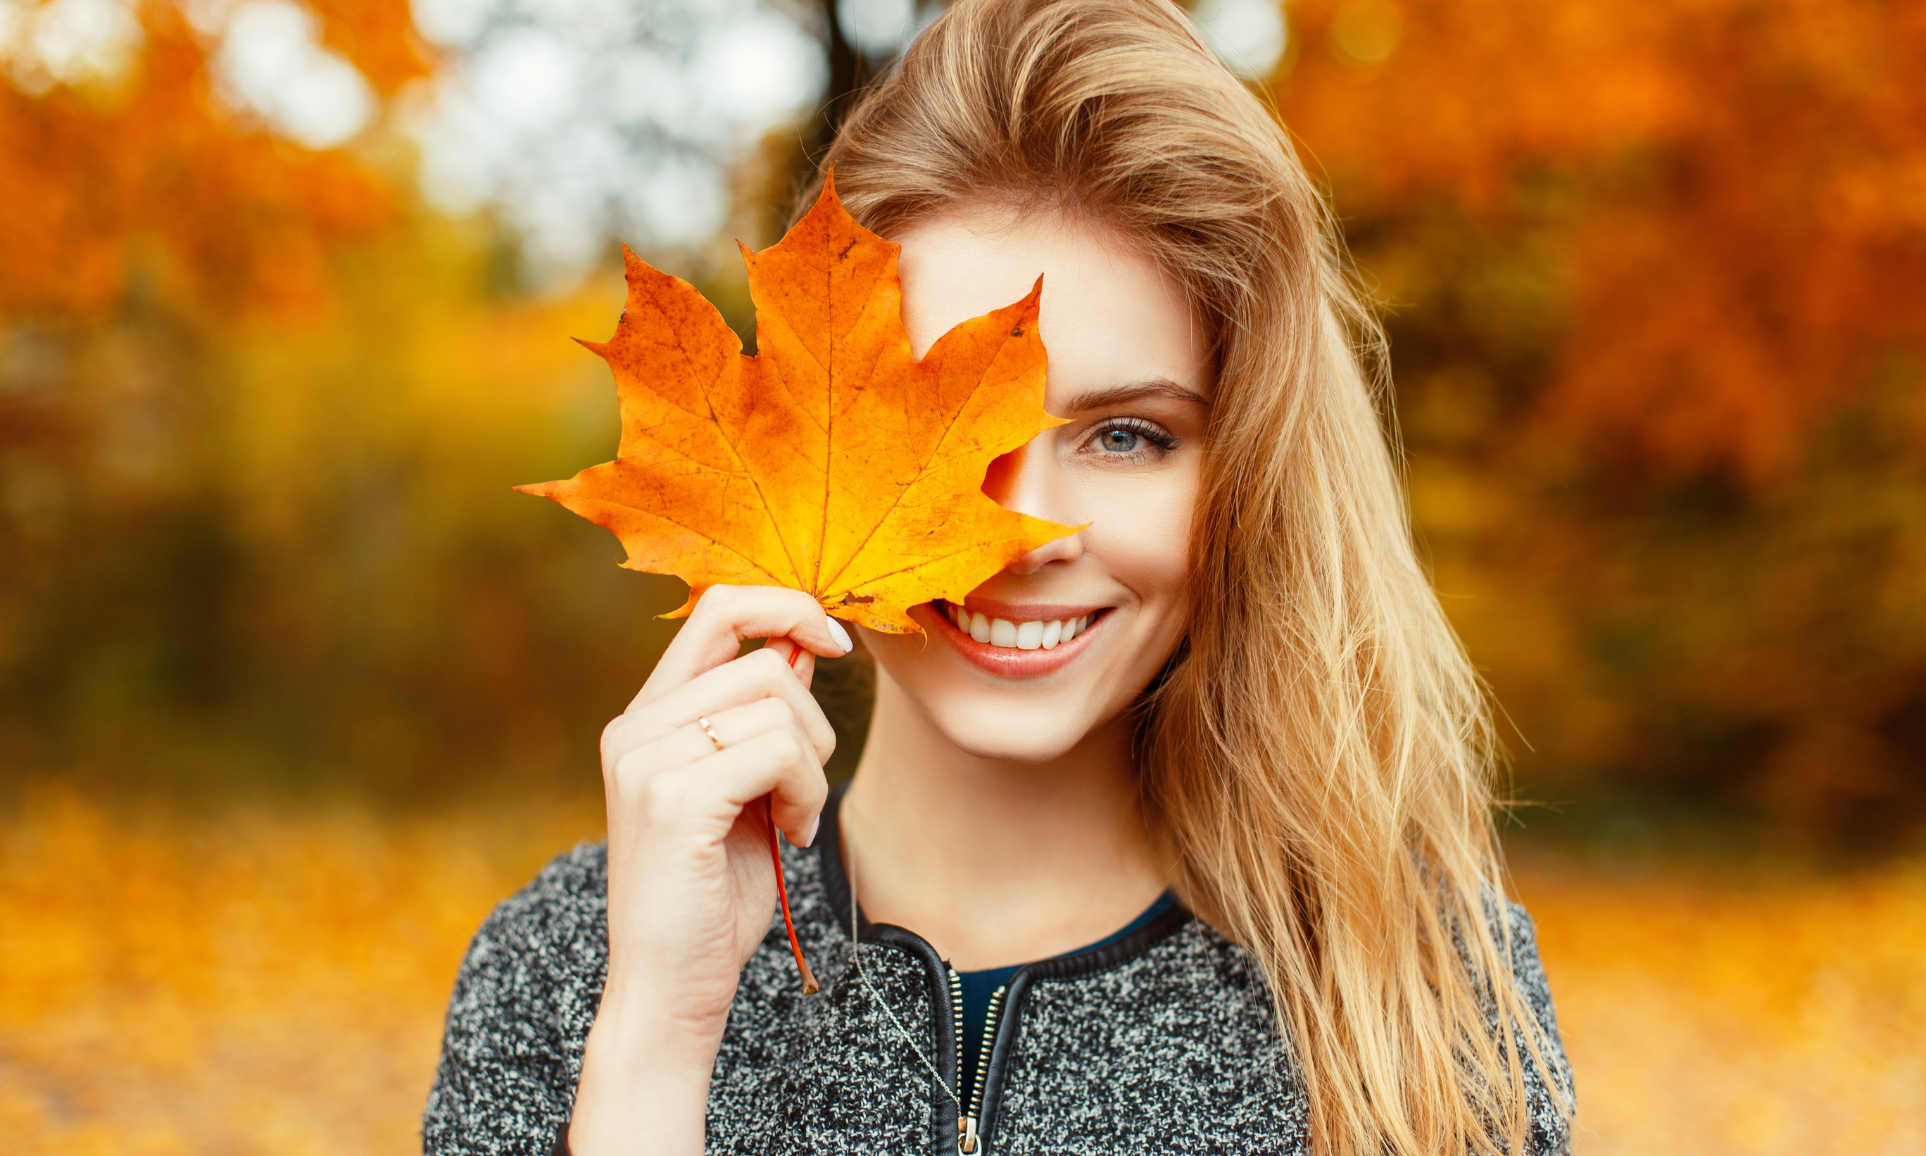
(644,1086)
(650,1036)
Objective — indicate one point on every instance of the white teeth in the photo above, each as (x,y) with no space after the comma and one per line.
(1035,634)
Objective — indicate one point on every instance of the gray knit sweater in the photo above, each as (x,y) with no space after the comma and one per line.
(1163,1041)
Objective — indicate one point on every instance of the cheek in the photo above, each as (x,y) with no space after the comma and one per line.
(1141,533)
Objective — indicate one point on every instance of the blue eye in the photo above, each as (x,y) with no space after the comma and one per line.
(1132,437)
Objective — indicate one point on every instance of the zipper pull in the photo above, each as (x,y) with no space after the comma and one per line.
(967,1144)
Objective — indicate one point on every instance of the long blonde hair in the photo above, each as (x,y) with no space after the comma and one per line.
(1319,752)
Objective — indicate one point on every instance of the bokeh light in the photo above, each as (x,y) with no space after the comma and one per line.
(586,120)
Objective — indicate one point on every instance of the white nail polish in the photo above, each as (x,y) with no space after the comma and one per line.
(841,636)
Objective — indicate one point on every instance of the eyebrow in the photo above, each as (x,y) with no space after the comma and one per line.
(1161,387)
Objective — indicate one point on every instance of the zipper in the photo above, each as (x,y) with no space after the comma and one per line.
(965,1118)
(968,1140)
(956,1019)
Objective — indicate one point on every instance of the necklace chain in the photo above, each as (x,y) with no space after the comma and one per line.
(856,947)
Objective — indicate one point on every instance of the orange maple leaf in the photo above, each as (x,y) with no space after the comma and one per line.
(832,462)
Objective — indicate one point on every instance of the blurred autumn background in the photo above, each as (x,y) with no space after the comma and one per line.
(292,688)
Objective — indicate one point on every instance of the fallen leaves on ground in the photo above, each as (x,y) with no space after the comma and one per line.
(1717,1008)
(256,983)
(264,982)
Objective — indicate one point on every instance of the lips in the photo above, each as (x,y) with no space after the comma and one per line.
(1017,641)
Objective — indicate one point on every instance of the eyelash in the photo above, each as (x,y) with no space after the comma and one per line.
(1150,431)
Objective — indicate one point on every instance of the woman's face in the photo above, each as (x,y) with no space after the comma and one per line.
(1063,640)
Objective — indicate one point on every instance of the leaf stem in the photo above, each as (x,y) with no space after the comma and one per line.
(782,890)
(810,986)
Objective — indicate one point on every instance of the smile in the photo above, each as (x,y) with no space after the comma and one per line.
(1018,641)
(1032,634)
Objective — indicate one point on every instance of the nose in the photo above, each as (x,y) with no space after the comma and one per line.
(1029,481)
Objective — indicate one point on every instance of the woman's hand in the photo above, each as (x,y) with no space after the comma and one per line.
(691,887)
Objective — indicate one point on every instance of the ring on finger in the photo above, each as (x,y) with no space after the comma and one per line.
(709,730)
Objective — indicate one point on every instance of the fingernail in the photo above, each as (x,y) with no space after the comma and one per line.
(841,636)
(809,836)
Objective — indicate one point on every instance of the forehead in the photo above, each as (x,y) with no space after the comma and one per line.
(1109,315)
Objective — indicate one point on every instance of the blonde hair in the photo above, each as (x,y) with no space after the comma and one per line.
(1319,752)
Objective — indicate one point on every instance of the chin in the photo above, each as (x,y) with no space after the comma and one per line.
(993,727)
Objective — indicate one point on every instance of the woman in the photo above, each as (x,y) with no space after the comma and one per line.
(1174,836)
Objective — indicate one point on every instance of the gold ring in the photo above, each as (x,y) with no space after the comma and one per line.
(710,731)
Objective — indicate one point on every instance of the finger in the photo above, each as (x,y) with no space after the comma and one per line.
(727,616)
(799,660)
(773,763)
(629,764)
(733,727)
(705,737)
(754,676)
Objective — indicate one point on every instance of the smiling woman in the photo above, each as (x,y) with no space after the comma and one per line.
(1172,835)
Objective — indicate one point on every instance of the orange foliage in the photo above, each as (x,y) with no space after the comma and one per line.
(1653,281)
(831,462)
(1744,185)
(378,36)
(145,173)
